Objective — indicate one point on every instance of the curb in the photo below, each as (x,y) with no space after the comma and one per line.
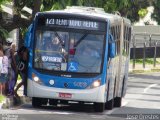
(144,70)
(10,102)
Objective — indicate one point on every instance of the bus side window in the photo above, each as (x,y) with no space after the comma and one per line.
(112,47)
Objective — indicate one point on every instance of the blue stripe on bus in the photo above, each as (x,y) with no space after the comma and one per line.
(73,83)
(106,54)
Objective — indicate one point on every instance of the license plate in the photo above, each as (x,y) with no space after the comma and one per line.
(65,95)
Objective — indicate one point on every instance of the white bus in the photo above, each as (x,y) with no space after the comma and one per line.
(78,54)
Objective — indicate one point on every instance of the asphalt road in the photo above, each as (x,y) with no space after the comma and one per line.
(142,101)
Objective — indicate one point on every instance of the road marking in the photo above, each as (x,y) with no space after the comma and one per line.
(125,102)
(147,88)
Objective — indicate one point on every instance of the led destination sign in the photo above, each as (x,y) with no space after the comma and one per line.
(74,23)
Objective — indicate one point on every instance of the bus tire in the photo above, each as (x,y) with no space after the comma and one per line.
(53,102)
(123,87)
(65,102)
(118,102)
(36,102)
(81,102)
(109,104)
(99,107)
(44,101)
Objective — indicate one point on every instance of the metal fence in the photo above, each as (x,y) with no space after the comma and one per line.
(144,45)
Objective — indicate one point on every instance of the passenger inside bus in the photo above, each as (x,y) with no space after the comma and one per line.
(55,44)
(51,46)
(52,56)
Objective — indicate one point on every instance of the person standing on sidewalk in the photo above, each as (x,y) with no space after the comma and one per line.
(3,70)
(22,56)
(7,52)
(14,72)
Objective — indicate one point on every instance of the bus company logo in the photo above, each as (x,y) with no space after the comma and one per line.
(66,85)
(80,84)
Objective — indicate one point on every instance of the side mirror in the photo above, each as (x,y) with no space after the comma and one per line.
(112,47)
(28,36)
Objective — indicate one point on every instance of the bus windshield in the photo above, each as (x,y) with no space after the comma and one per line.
(68,51)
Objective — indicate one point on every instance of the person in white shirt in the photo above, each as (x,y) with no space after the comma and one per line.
(7,52)
(3,70)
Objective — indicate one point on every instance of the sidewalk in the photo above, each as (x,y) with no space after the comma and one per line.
(11,101)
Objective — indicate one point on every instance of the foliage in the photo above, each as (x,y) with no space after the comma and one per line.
(4,1)
(127,8)
(147,61)
(3,33)
(131,9)
(142,12)
(156,14)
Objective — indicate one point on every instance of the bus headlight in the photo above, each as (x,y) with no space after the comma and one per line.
(95,84)
(36,79)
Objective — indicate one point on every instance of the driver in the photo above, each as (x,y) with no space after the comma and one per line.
(55,44)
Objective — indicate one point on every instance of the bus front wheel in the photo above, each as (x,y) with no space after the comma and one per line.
(99,107)
(53,102)
(36,102)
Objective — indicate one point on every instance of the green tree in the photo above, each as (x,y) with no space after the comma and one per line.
(156,14)
(3,34)
(127,8)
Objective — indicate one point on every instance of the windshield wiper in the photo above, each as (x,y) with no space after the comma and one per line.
(82,38)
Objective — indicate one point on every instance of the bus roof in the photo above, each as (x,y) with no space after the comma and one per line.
(89,12)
